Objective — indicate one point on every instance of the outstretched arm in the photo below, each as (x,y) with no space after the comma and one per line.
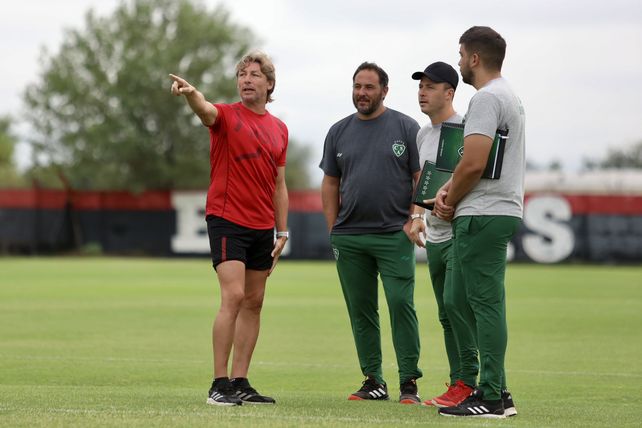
(203,109)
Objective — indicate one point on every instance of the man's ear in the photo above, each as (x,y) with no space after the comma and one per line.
(451,94)
(475,59)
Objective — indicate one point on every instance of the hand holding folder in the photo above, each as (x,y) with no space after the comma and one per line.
(429,183)
(451,149)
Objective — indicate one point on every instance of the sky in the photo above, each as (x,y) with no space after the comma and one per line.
(576,65)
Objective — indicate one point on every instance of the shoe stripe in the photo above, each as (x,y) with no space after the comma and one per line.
(478,410)
(377,393)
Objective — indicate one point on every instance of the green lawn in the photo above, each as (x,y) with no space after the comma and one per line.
(126,342)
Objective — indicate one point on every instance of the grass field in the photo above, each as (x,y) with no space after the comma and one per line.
(126,342)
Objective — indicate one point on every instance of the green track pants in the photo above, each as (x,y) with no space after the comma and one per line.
(440,266)
(360,259)
(477,305)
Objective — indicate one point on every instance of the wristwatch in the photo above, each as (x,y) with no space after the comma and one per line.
(415,216)
(285,235)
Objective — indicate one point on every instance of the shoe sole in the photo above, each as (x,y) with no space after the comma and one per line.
(440,405)
(486,416)
(256,402)
(355,398)
(510,412)
(428,403)
(409,401)
(218,403)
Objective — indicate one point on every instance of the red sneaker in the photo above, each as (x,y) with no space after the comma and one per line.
(453,396)
(443,398)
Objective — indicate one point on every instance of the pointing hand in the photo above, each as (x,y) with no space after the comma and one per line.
(180,86)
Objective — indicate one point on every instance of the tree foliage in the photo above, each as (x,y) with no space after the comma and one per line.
(102,110)
(297,175)
(629,157)
(618,158)
(9,176)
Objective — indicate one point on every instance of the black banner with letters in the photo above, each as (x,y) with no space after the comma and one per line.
(555,228)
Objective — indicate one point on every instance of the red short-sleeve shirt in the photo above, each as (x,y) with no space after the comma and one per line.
(245,150)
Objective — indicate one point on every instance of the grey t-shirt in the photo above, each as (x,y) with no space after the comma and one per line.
(427,142)
(375,160)
(495,106)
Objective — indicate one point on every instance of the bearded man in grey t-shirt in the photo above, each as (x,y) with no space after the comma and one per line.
(370,164)
(486,215)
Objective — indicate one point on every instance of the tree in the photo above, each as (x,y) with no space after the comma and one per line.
(9,176)
(297,175)
(617,158)
(629,157)
(102,108)
(555,165)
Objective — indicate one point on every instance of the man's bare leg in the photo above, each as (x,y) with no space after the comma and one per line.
(248,322)
(231,277)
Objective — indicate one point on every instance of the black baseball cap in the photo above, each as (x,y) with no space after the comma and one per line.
(439,72)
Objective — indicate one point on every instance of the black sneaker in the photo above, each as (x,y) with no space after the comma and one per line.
(509,405)
(243,390)
(371,390)
(221,393)
(476,406)
(408,392)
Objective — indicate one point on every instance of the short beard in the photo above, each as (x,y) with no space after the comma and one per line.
(467,77)
(374,105)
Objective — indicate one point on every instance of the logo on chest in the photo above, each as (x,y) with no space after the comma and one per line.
(398,148)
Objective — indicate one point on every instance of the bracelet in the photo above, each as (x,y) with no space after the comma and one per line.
(416,216)
(285,235)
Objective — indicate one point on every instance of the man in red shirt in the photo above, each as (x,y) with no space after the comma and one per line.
(246,200)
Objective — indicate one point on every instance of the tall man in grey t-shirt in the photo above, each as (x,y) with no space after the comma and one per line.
(437,85)
(371,164)
(486,215)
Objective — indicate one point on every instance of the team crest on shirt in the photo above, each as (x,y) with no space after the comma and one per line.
(460,151)
(398,148)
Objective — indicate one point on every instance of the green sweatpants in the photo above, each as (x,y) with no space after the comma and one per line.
(477,305)
(440,266)
(360,259)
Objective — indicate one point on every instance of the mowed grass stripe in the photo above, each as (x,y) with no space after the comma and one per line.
(308,365)
(125,342)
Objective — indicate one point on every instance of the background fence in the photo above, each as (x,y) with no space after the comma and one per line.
(594,217)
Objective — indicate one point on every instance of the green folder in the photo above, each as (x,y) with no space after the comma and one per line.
(430,182)
(451,149)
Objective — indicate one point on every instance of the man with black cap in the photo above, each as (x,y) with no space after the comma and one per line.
(437,84)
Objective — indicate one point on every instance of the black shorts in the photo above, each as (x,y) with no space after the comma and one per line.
(229,241)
